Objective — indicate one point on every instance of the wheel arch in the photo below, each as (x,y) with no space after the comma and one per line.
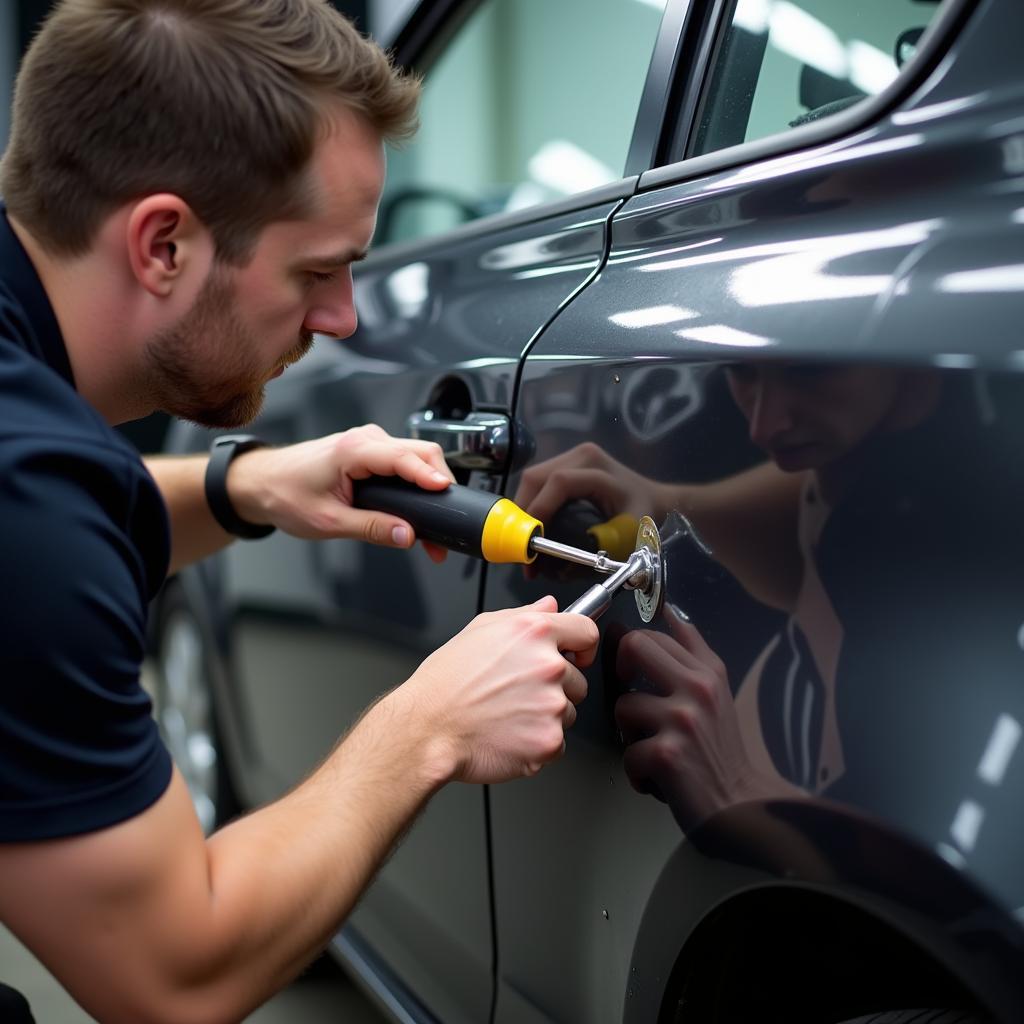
(786,899)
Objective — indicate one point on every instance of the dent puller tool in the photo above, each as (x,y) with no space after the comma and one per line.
(497,530)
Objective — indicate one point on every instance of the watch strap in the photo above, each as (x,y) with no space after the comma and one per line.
(222,452)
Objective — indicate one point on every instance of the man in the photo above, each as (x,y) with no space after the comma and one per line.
(187,185)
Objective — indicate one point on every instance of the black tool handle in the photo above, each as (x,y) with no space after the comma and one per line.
(453,518)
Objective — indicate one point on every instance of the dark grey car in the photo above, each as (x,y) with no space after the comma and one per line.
(756,268)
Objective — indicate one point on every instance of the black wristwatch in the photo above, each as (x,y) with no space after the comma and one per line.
(222,451)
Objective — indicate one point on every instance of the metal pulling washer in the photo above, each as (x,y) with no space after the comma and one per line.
(650,584)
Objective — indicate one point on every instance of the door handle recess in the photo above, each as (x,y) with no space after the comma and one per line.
(481,441)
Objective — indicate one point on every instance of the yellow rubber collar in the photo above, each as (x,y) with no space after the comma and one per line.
(617,536)
(507,533)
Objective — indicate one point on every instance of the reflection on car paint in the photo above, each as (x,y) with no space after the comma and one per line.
(873,566)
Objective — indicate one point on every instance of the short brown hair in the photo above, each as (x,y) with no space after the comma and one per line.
(217,101)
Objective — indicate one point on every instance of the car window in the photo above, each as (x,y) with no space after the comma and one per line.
(530,101)
(783,63)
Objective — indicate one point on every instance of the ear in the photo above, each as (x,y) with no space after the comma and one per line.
(168,246)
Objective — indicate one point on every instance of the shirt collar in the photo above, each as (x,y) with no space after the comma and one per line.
(20,277)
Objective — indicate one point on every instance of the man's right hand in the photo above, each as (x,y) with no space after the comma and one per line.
(501,693)
(184,930)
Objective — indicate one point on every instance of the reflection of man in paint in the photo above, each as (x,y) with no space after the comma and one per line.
(817,423)
(850,529)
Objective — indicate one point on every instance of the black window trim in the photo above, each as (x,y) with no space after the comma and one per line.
(933,48)
(681,57)
(663,77)
(426,32)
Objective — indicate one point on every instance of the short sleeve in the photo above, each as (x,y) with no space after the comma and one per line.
(83,544)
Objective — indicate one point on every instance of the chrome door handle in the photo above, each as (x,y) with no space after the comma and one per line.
(481,441)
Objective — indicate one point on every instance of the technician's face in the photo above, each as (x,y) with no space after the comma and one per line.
(806,416)
(249,323)
(208,365)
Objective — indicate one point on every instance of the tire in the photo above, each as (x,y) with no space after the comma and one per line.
(185,712)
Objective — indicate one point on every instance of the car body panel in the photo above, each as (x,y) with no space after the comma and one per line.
(833,253)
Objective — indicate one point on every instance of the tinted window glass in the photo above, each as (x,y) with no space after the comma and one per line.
(783,63)
(531,101)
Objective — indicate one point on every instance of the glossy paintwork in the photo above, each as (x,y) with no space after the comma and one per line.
(902,246)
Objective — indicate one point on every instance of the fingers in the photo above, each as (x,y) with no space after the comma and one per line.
(574,636)
(534,478)
(369,451)
(656,656)
(376,528)
(529,484)
(419,462)
(639,714)
(423,464)
(574,685)
(653,656)
(569,716)
(689,637)
(646,763)
(702,687)
(578,635)
(435,552)
(566,485)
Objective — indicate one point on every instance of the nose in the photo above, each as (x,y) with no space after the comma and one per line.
(332,308)
(770,414)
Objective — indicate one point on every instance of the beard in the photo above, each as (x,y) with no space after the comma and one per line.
(203,367)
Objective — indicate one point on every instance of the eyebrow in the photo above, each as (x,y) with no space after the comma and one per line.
(334,260)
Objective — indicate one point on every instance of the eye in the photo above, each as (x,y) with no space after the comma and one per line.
(317,277)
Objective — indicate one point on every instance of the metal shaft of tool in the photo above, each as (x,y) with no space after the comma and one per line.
(599,561)
(596,600)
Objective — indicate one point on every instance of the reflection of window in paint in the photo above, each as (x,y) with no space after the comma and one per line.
(652,316)
(409,288)
(722,334)
(999,750)
(967,824)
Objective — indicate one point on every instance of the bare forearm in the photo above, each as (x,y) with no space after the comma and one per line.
(319,848)
(750,523)
(194,532)
(187,931)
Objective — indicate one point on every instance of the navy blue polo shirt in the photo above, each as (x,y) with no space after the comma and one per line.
(84,546)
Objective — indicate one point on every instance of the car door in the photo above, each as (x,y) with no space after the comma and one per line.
(492,218)
(847,206)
